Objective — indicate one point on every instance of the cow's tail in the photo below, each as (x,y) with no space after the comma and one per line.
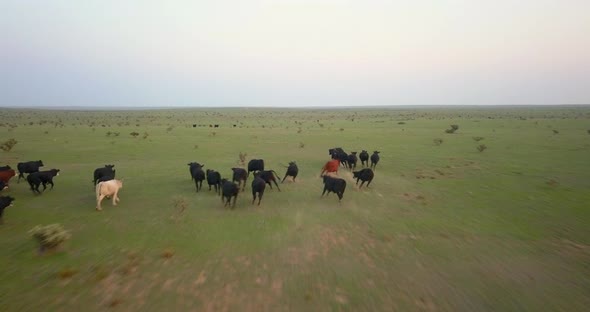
(98,190)
(276,175)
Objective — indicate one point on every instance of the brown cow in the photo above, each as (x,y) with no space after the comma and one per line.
(108,189)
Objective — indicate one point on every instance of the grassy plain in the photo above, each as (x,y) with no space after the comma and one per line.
(442,228)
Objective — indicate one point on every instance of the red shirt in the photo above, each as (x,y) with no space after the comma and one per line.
(331,166)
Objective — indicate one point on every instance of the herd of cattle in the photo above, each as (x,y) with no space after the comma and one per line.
(107,186)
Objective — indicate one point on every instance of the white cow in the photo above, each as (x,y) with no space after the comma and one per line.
(107,189)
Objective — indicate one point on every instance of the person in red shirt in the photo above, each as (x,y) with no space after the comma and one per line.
(331,167)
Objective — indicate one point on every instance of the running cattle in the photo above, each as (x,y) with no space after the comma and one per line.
(336,185)
(352,161)
(42,177)
(365,175)
(4,168)
(374,159)
(228,190)
(240,174)
(364,157)
(197,174)
(108,189)
(255,165)
(258,186)
(28,167)
(5,201)
(104,174)
(214,178)
(292,171)
(6,175)
(338,153)
(268,176)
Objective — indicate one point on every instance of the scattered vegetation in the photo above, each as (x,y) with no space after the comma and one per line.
(8,145)
(438,141)
(453,129)
(481,147)
(49,236)
(301,145)
(168,253)
(478,138)
(555,131)
(242,157)
(134,134)
(145,135)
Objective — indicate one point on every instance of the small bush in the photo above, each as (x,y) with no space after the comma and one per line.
(401,123)
(341,129)
(8,145)
(438,141)
(168,253)
(450,131)
(109,133)
(242,157)
(49,236)
(477,139)
(455,127)
(134,134)
(481,147)
(301,145)
(555,131)
(588,131)
(145,135)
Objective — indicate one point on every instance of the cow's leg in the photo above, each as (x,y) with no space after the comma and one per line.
(269,184)
(235,199)
(275,181)
(369,182)
(100,198)
(340,195)
(115,199)
(284,178)
(253,196)
(325,188)
(363,182)
(197,185)
(260,197)
(51,182)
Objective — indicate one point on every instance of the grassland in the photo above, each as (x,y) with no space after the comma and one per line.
(442,228)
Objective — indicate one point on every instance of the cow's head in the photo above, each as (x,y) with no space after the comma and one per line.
(292,164)
(56,171)
(353,153)
(40,162)
(8,200)
(376,152)
(109,166)
(355,174)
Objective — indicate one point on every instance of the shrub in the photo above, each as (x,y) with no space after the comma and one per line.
(145,135)
(242,157)
(437,141)
(588,131)
(450,131)
(49,236)
(341,129)
(477,139)
(109,133)
(134,134)
(481,147)
(455,127)
(8,145)
(555,131)
(301,145)
(401,123)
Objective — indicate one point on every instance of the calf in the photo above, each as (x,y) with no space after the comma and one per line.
(374,159)
(364,157)
(268,176)
(28,167)
(214,178)
(292,171)
(197,174)
(336,185)
(228,190)
(4,168)
(258,186)
(255,165)
(6,175)
(365,175)
(240,174)
(5,201)
(108,189)
(3,186)
(42,177)
(105,173)
(352,161)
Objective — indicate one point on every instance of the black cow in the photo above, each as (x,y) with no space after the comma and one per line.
(197,174)
(28,167)
(228,190)
(240,174)
(374,159)
(292,171)
(105,173)
(352,160)
(340,154)
(214,178)
(255,165)
(4,168)
(268,176)
(258,186)
(3,186)
(364,156)
(5,201)
(42,177)
(335,185)
(365,175)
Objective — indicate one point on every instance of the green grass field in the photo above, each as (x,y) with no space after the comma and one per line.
(442,227)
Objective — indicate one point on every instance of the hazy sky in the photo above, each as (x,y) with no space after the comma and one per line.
(293,53)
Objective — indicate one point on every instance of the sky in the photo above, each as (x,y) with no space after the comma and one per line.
(289,53)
